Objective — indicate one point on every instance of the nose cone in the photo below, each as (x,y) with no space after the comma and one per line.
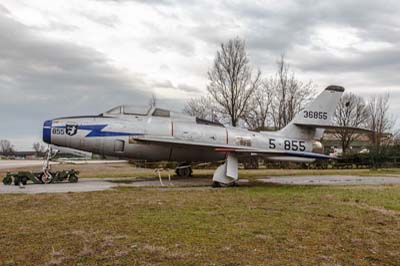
(47,131)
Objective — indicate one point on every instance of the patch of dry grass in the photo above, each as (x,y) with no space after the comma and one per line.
(254,224)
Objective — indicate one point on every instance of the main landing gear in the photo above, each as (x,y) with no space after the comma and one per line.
(184,170)
(227,173)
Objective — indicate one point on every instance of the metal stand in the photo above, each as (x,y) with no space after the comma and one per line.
(158,172)
(47,177)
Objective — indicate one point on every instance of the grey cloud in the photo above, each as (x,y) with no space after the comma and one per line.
(273,30)
(58,26)
(215,32)
(182,87)
(4,10)
(267,27)
(372,67)
(162,2)
(164,67)
(161,41)
(163,84)
(187,88)
(269,31)
(41,79)
(108,20)
(357,62)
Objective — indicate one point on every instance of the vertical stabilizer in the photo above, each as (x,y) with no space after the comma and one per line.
(318,113)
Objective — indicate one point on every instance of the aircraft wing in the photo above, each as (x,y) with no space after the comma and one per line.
(230,148)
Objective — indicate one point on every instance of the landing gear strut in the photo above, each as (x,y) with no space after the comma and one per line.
(184,170)
(227,173)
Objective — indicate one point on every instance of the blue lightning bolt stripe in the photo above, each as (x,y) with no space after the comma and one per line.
(97,131)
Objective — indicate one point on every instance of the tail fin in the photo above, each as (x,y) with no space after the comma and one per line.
(309,122)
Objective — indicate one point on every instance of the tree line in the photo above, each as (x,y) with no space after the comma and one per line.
(8,149)
(240,96)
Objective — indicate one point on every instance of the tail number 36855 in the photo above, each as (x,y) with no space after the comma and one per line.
(315,115)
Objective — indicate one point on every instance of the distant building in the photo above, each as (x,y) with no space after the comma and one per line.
(31,155)
(333,144)
(20,155)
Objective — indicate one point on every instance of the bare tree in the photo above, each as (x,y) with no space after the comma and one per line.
(291,94)
(259,112)
(232,82)
(200,107)
(39,148)
(379,121)
(6,148)
(153,100)
(351,111)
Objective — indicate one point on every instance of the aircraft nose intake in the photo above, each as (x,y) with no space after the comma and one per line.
(47,131)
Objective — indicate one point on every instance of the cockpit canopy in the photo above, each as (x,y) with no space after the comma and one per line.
(138,110)
(129,110)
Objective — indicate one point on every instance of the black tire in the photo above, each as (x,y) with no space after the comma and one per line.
(184,172)
(73,179)
(16,181)
(24,180)
(7,181)
(216,184)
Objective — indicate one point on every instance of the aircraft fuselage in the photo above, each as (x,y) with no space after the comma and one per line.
(117,135)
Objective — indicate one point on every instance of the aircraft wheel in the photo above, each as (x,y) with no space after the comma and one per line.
(184,172)
(7,181)
(24,180)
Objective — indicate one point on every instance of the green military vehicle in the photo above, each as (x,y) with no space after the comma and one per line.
(43,177)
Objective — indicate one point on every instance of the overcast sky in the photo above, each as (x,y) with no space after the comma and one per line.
(71,57)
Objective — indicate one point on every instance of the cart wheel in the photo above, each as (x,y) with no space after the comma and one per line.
(7,180)
(16,181)
(46,178)
(24,180)
(73,179)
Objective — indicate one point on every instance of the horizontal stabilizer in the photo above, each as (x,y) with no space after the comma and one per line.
(333,128)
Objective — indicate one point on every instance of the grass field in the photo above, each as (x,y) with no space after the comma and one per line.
(257,224)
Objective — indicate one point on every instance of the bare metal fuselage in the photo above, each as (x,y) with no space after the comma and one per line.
(117,136)
(157,134)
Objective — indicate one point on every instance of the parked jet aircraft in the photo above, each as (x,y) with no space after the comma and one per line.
(156,134)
